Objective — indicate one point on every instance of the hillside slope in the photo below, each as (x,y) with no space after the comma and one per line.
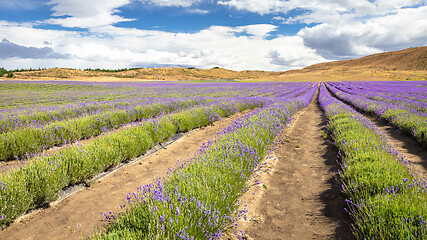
(407,64)
(407,59)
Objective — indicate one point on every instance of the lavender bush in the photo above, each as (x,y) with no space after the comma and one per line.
(199,200)
(384,198)
(410,120)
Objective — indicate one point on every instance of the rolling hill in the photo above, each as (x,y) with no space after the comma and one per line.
(407,59)
(407,64)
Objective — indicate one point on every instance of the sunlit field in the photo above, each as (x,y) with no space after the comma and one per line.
(58,134)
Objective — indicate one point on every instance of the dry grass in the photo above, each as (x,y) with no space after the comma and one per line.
(408,64)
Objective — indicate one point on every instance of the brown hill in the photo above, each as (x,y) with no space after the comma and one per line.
(144,74)
(407,59)
(407,64)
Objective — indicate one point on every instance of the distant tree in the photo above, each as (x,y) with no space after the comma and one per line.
(4,71)
(215,68)
(110,70)
(28,70)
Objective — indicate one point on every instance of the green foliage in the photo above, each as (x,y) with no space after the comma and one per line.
(393,216)
(30,140)
(385,200)
(200,199)
(9,74)
(411,122)
(111,70)
(370,167)
(28,70)
(43,179)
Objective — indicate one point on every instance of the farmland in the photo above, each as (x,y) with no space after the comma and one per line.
(333,168)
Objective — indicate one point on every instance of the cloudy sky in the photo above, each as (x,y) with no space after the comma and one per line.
(235,34)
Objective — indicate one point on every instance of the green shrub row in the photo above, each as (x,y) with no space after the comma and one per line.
(409,120)
(384,199)
(199,200)
(42,180)
(38,117)
(27,141)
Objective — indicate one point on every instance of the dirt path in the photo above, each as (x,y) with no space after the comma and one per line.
(299,198)
(404,144)
(81,213)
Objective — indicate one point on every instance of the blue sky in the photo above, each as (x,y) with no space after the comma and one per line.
(235,34)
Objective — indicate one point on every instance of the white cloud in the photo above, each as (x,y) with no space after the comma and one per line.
(321,11)
(348,29)
(237,48)
(21,4)
(86,13)
(287,53)
(291,59)
(198,11)
(406,28)
(259,30)
(171,3)
(279,19)
(261,7)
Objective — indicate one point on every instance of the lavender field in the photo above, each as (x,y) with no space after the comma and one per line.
(403,104)
(38,116)
(58,134)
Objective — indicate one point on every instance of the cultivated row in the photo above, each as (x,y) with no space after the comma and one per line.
(410,120)
(386,201)
(199,200)
(411,94)
(43,178)
(30,140)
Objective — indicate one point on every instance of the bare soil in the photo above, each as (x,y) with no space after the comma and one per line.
(80,214)
(298,196)
(405,144)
